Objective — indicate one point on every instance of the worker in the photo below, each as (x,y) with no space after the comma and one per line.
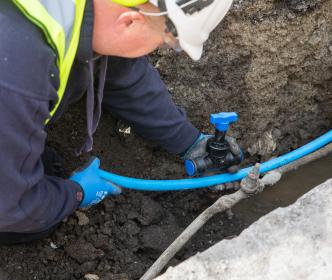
(51,54)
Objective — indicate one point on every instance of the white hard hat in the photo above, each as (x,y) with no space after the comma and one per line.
(193,19)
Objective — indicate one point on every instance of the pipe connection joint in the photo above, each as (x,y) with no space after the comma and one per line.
(252,185)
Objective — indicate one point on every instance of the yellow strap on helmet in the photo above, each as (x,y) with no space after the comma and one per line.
(130,3)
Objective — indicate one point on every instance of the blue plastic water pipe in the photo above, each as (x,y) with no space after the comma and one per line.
(201,182)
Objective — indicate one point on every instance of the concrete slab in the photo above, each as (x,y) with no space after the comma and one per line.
(288,243)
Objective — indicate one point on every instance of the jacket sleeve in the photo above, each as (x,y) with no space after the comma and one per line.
(29,200)
(135,93)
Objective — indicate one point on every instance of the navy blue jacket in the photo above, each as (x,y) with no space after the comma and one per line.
(30,201)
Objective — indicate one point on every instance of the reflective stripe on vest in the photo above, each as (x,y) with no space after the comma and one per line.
(60,21)
(130,3)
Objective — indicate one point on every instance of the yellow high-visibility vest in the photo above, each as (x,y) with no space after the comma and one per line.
(60,21)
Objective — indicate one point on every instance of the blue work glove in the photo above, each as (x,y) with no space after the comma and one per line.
(198,149)
(94,188)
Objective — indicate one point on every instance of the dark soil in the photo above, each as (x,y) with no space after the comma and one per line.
(124,234)
(271,62)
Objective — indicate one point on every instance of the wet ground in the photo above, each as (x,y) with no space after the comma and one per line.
(292,186)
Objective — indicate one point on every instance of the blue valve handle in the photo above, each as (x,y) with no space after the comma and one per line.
(222,120)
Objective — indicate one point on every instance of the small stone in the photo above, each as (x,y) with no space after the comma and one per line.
(230,214)
(53,245)
(91,277)
(218,188)
(83,220)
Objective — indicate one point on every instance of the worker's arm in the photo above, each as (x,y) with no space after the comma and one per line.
(30,201)
(135,92)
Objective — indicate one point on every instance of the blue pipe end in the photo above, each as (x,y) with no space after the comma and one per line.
(190,167)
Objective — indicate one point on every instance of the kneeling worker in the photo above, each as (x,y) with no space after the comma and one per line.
(51,52)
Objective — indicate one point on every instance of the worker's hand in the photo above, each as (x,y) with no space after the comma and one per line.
(198,149)
(95,189)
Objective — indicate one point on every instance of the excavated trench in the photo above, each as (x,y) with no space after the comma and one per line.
(271,62)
